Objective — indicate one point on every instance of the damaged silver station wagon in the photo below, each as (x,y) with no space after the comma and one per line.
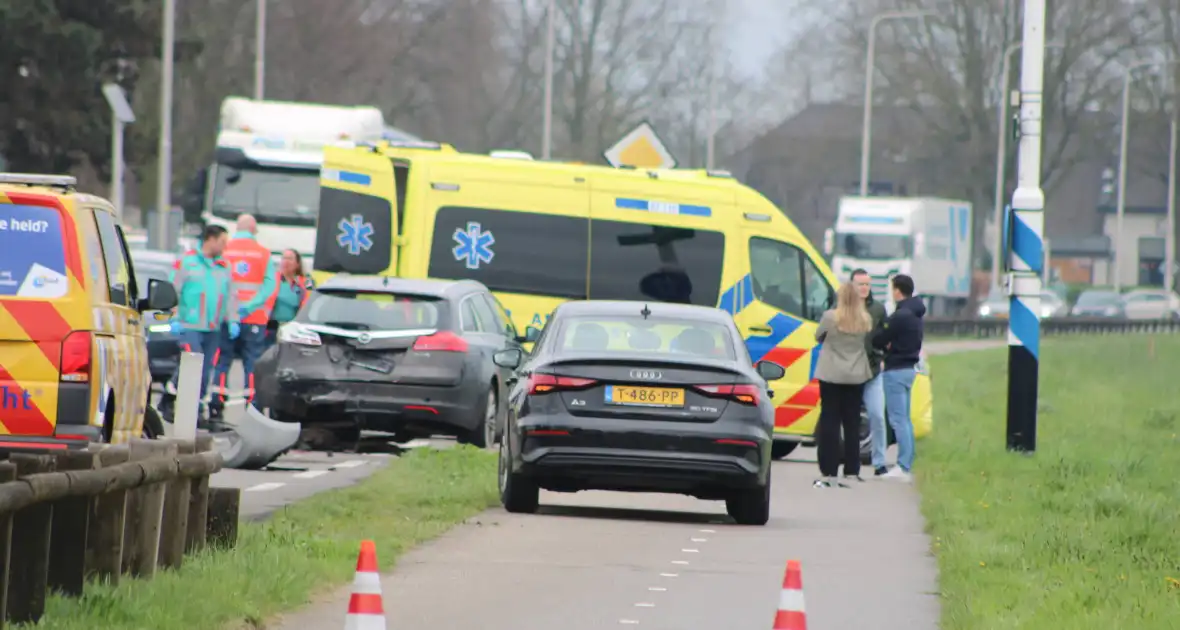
(408,357)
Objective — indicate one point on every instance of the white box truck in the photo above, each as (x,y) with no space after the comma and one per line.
(267,163)
(926,238)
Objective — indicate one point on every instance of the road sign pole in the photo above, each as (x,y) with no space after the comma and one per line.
(117,164)
(1027,258)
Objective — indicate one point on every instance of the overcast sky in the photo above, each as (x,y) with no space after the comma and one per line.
(756,29)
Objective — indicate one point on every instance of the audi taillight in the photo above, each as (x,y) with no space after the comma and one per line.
(546,383)
(746,394)
(444,341)
(75,357)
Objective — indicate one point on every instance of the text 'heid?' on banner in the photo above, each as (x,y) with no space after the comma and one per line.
(32,255)
(640,148)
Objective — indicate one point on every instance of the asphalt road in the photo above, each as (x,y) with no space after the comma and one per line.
(594,560)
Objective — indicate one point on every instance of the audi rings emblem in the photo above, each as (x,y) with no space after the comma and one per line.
(646,375)
(364,338)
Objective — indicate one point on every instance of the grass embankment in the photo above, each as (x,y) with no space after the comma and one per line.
(1083,534)
(300,550)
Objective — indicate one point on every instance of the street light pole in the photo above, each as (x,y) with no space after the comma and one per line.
(260,51)
(547,125)
(1170,236)
(1121,204)
(1028,258)
(711,138)
(866,132)
(1001,158)
(164,190)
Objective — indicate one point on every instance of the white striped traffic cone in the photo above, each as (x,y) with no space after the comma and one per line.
(792,615)
(365,608)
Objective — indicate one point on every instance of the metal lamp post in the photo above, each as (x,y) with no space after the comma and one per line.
(866,137)
(1001,154)
(547,124)
(164,189)
(260,51)
(1028,247)
(1121,204)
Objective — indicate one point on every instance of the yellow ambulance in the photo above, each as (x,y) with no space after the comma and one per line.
(73,357)
(538,233)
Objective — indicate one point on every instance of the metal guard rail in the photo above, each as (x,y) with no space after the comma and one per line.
(1052,326)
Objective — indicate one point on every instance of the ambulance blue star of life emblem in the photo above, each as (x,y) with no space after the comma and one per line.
(355,235)
(474,245)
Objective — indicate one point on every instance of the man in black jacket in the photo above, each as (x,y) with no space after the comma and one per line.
(874,391)
(901,337)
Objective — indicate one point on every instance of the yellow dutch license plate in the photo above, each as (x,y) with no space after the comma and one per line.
(645,396)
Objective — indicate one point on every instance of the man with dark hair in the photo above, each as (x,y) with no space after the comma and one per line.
(205,302)
(874,391)
(901,337)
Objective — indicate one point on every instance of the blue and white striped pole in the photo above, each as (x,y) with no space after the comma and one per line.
(1028,221)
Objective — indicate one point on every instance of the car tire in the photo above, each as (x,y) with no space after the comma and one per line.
(780,449)
(750,507)
(153,423)
(518,494)
(484,433)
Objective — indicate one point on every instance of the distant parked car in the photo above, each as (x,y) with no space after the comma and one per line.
(1098,303)
(163,350)
(1151,304)
(997,304)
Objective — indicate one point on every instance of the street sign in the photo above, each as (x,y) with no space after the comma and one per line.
(117,99)
(640,148)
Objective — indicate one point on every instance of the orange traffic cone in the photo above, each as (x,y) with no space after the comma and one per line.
(365,609)
(791,613)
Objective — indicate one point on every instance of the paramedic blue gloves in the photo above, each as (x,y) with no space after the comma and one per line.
(175,328)
(235,329)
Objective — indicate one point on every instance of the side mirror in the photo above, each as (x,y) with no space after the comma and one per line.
(510,358)
(829,241)
(770,371)
(531,335)
(161,296)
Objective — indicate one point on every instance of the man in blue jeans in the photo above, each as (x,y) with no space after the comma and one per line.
(901,337)
(874,391)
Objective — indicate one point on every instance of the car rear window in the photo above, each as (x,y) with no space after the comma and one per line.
(651,336)
(372,311)
(32,253)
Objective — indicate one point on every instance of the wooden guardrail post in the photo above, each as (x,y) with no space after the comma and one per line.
(104,548)
(198,506)
(29,560)
(71,525)
(224,504)
(7,473)
(174,527)
(145,537)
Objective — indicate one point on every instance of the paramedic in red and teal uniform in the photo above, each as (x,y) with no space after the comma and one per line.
(205,304)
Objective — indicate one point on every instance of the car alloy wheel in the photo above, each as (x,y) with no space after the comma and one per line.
(502,466)
(489,421)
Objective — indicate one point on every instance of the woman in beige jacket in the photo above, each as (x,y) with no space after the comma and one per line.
(842,371)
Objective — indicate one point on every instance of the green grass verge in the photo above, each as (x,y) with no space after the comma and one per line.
(302,549)
(1083,534)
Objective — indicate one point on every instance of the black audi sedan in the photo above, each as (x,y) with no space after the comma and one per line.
(407,357)
(638,397)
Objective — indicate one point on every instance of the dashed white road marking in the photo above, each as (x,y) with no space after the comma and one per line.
(415,444)
(708,531)
(657,589)
(310,474)
(352,463)
(680,562)
(262,487)
(629,622)
(644,605)
(691,550)
(698,540)
(669,575)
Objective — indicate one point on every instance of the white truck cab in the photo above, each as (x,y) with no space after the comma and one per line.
(267,163)
(928,239)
